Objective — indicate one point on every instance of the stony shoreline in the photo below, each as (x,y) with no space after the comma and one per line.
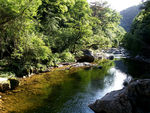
(12,83)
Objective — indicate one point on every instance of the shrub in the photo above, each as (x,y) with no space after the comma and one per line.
(7,74)
(67,57)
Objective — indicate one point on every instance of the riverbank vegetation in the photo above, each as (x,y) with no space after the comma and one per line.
(35,34)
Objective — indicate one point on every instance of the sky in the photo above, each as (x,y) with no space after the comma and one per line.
(120,4)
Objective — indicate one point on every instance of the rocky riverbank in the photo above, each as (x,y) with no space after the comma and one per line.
(85,59)
(135,98)
(12,83)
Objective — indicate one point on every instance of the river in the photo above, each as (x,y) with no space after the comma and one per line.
(71,92)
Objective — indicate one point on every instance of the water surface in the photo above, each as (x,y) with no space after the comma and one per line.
(72,92)
(82,88)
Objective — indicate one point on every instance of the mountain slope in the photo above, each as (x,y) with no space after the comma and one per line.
(128,16)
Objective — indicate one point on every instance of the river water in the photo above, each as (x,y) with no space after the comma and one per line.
(78,89)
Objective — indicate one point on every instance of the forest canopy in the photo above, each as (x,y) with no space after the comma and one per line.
(35,33)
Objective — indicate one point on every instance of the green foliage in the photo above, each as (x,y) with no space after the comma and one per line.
(67,57)
(7,74)
(138,39)
(20,42)
(41,67)
(107,31)
(65,22)
(134,42)
(40,33)
(55,59)
(16,19)
(31,48)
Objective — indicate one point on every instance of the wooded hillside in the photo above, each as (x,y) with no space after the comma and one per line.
(128,16)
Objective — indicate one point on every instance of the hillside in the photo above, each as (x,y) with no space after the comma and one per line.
(128,15)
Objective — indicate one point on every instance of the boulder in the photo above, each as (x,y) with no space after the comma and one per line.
(83,64)
(8,84)
(99,67)
(135,98)
(4,87)
(87,56)
(111,57)
(100,57)
(14,83)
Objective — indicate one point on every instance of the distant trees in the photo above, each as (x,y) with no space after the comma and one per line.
(128,16)
(107,31)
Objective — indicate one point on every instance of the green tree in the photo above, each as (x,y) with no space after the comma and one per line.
(65,22)
(20,42)
(139,34)
(16,19)
(108,29)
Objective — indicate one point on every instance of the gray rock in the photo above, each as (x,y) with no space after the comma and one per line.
(86,64)
(86,57)
(135,98)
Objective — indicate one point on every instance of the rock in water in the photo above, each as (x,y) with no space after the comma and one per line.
(87,56)
(135,98)
(4,87)
(99,67)
(111,57)
(14,83)
(114,102)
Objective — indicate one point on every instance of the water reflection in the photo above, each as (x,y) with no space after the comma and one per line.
(82,88)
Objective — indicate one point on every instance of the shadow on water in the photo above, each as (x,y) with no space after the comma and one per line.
(137,69)
(81,88)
